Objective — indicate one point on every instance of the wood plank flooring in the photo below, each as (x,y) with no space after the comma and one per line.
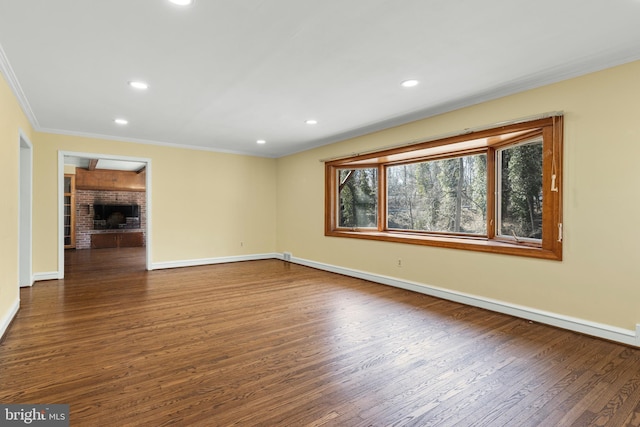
(267,343)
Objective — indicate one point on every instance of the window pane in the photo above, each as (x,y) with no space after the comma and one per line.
(448,195)
(520,197)
(358,197)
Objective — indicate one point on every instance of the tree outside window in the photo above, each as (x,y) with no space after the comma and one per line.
(495,190)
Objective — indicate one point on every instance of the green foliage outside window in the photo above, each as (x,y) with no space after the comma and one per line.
(358,198)
(520,169)
(494,190)
(448,195)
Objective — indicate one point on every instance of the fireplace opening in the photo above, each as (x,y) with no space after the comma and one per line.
(108,217)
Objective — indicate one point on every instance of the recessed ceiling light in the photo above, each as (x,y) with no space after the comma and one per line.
(182,2)
(138,85)
(121,121)
(261,141)
(311,122)
(410,83)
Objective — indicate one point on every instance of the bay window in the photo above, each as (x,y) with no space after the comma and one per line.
(492,190)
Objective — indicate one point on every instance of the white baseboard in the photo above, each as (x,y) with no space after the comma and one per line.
(608,332)
(600,330)
(54,275)
(6,320)
(51,275)
(209,261)
(30,283)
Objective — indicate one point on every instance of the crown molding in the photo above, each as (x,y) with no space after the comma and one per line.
(14,84)
(557,74)
(146,141)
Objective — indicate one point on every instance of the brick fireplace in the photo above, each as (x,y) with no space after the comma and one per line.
(86,199)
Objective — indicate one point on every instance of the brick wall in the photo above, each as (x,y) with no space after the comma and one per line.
(85,199)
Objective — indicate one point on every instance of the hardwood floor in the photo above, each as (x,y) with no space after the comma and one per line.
(275,344)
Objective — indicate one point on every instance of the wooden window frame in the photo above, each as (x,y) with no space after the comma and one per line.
(482,141)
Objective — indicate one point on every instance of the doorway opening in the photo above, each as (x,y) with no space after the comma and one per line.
(104,203)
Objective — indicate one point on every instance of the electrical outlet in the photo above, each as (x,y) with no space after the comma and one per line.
(287,256)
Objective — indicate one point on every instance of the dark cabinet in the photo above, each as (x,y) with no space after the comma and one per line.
(116,240)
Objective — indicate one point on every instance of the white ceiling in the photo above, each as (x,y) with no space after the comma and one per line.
(223,74)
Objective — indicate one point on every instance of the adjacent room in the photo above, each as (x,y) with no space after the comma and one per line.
(105,206)
(296,213)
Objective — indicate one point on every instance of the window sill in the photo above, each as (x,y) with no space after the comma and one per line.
(479,244)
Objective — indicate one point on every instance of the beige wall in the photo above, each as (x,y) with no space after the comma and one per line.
(599,279)
(12,120)
(204,204)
